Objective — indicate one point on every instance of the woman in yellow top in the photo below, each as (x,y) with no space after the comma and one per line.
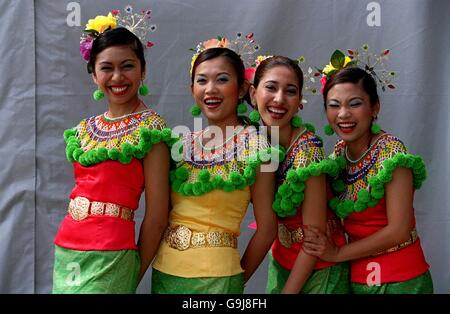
(212,186)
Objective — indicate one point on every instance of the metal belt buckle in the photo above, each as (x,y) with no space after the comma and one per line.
(182,238)
(79,208)
(284,235)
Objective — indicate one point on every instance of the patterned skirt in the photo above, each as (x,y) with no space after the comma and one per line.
(422,284)
(95,271)
(330,280)
(163,283)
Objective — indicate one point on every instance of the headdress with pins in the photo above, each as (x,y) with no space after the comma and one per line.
(137,23)
(372,63)
(244,46)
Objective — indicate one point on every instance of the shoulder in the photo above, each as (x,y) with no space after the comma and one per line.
(390,145)
(308,149)
(152,120)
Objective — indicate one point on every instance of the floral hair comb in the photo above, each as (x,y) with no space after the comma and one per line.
(137,23)
(244,46)
(372,63)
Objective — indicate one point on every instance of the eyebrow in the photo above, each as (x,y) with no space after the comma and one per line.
(275,82)
(221,73)
(127,60)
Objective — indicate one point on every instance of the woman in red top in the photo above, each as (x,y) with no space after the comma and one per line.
(301,198)
(116,156)
(374,193)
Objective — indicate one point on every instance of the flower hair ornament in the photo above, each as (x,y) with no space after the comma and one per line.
(374,64)
(136,23)
(244,46)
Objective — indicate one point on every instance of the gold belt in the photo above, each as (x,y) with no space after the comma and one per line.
(182,238)
(412,238)
(80,208)
(287,237)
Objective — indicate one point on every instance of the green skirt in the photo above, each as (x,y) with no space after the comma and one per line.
(330,280)
(163,283)
(95,271)
(422,284)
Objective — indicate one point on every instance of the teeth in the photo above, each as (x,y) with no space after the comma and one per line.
(212,101)
(277,110)
(118,89)
(346,125)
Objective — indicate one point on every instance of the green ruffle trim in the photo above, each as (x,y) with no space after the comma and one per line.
(291,193)
(205,182)
(147,138)
(371,196)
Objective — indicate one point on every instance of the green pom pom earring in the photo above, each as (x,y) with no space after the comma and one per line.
(241,108)
(254,116)
(196,111)
(98,94)
(143,90)
(296,121)
(375,128)
(328,130)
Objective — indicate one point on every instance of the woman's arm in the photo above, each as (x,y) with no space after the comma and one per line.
(262,192)
(313,214)
(399,209)
(156,172)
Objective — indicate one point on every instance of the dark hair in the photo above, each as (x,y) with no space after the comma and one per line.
(275,61)
(353,75)
(230,55)
(116,37)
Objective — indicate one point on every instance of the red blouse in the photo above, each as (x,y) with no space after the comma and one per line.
(109,182)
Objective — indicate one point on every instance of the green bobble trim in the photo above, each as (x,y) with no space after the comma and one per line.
(296,121)
(338,186)
(204,183)
(196,111)
(291,194)
(254,116)
(147,138)
(241,108)
(376,190)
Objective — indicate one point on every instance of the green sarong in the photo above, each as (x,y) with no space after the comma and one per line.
(330,280)
(163,283)
(95,271)
(422,284)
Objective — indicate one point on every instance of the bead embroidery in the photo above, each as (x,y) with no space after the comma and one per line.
(96,132)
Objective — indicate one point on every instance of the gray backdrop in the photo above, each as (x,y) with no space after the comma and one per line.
(44,89)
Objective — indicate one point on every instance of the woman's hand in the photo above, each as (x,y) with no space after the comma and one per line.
(319,244)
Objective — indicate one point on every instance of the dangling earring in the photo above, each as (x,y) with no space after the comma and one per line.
(254,116)
(143,89)
(296,121)
(196,111)
(375,127)
(98,94)
(241,108)
(328,130)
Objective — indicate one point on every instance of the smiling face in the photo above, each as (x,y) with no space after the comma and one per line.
(118,73)
(215,89)
(277,96)
(350,113)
